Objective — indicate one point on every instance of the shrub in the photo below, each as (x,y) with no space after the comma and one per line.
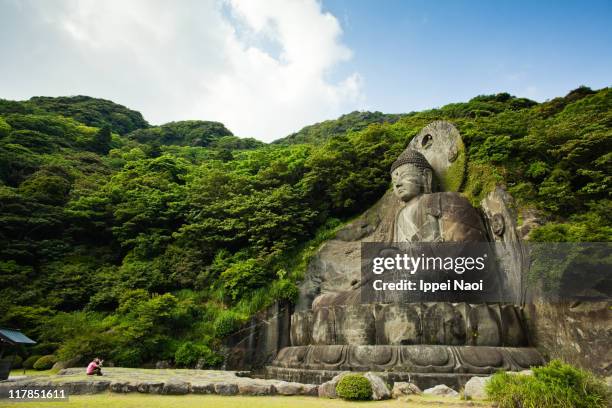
(44,363)
(188,355)
(29,362)
(284,289)
(227,323)
(354,387)
(554,385)
(17,362)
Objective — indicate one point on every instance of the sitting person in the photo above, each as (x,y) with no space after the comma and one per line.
(95,367)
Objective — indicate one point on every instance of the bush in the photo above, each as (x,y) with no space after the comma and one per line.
(354,387)
(227,323)
(188,355)
(44,363)
(29,362)
(17,362)
(284,289)
(554,385)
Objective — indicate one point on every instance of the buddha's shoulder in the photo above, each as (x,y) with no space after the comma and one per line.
(446,197)
(446,203)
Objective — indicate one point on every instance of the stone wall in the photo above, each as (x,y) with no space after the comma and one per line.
(257,343)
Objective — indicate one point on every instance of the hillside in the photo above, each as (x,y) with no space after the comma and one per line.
(146,243)
(351,122)
(192,133)
(84,109)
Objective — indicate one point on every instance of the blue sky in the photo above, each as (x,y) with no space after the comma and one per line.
(419,54)
(266,68)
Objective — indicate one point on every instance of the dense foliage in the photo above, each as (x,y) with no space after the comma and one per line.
(190,133)
(87,110)
(554,385)
(351,122)
(156,244)
(354,387)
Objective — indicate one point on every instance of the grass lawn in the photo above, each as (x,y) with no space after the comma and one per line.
(19,372)
(110,400)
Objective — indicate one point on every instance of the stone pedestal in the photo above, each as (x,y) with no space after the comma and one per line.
(425,365)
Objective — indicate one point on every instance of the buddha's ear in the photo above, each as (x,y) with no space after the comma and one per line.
(428,178)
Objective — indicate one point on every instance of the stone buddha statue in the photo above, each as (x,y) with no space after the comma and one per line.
(427,216)
(332,329)
(421,215)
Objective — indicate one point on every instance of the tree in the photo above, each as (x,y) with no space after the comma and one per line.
(102,140)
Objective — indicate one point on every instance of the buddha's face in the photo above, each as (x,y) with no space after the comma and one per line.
(410,181)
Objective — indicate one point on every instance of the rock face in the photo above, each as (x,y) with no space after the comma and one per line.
(578,333)
(380,391)
(259,341)
(475,387)
(441,390)
(401,389)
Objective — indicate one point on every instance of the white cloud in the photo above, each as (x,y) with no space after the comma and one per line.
(262,67)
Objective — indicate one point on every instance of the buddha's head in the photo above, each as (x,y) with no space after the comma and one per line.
(412,175)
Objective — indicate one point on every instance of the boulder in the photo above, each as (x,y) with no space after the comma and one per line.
(288,388)
(175,387)
(203,388)
(226,389)
(295,388)
(85,387)
(441,390)
(73,362)
(401,389)
(150,387)
(72,371)
(251,388)
(380,391)
(328,389)
(163,364)
(310,389)
(475,387)
(122,387)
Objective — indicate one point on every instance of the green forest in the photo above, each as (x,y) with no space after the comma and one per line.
(142,243)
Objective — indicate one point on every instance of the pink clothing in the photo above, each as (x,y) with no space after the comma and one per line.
(91,367)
